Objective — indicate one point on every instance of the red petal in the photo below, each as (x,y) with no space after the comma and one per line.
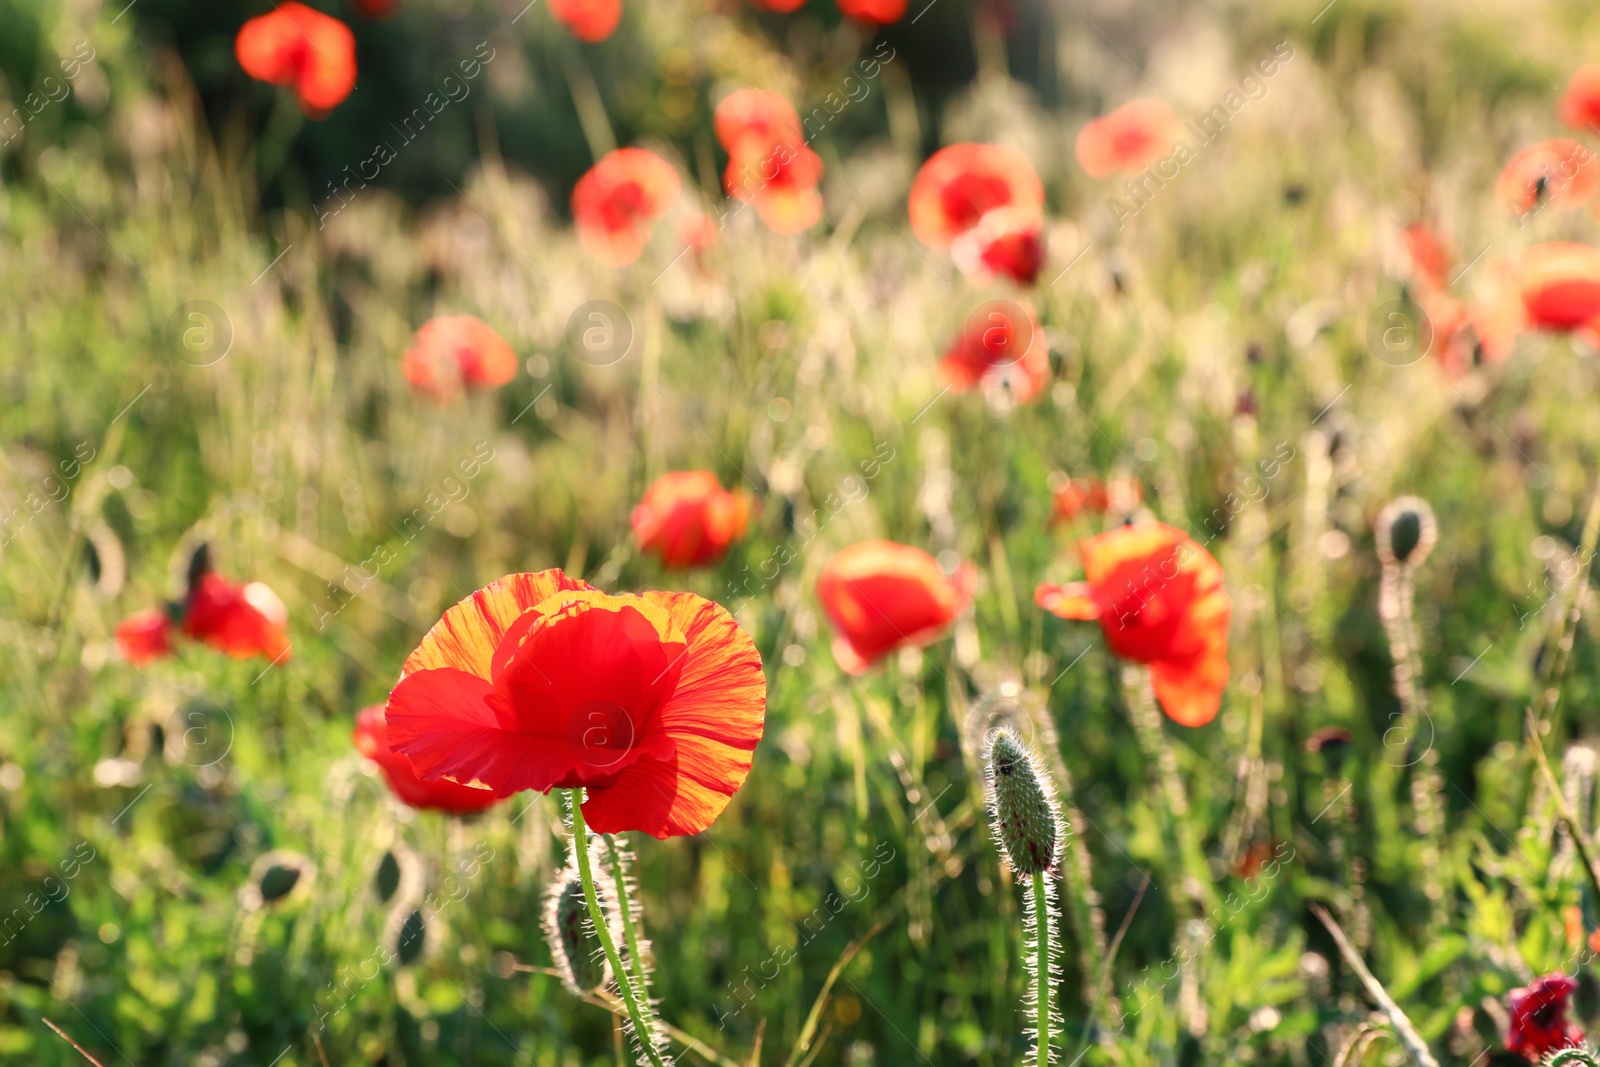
(466,637)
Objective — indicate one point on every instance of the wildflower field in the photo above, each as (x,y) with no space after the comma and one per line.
(788,532)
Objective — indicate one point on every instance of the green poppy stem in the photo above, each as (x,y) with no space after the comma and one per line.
(1041,908)
(630,935)
(580,845)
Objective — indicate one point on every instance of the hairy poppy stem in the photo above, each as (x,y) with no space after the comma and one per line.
(640,971)
(1041,905)
(580,847)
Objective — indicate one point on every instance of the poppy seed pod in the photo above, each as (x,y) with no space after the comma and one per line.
(574,945)
(1406,531)
(1022,806)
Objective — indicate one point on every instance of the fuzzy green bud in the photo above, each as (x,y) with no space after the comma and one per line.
(1578,1056)
(567,930)
(1406,531)
(1022,808)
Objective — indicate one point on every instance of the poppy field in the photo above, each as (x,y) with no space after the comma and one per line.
(789,532)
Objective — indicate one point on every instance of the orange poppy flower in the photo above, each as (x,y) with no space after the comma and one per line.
(880,595)
(371,741)
(1159,600)
(617,200)
(651,702)
(769,163)
(1074,496)
(962,183)
(453,352)
(1560,172)
(688,519)
(1127,139)
(874,12)
(145,636)
(1560,284)
(298,46)
(1007,241)
(589,20)
(1499,316)
(1580,107)
(1001,346)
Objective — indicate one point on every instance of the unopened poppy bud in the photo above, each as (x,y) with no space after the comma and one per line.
(1406,531)
(574,945)
(1022,805)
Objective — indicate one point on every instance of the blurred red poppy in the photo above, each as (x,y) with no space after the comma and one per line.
(1159,600)
(652,702)
(372,742)
(589,20)
(1560,284)
(301,47)
(1001,346)
(1560,172)
(1430,254)
(1008,242)
(145,636)
(781,6)
(1074,496)
(617,200)
(880,595)
(688,519)
(874,12)
(241,620)
(1127,139)
(1580,107)
(455,352)
(1539,1022)
(769,163)
(962,183)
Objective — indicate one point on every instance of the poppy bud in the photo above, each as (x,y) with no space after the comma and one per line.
(574,945)
(1021,805)
(1406,531)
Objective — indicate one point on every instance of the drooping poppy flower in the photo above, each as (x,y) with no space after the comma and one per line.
(1001,346)
(688,519)
(1539,1022)
(145,636)
(1580,106)
(298,46)
(1128,139)
(589,20)
(453,352)
(769,162)
(874,12)
(1159,600)
(371,740)
(651,702)
(880,595)
(1008,242)
(1560,172)
(962,183)
(617,200)
(1560,284)
(241,620)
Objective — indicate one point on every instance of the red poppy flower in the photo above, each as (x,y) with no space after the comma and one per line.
(1128,139)
(145,636)
(241,620)
(962,183)
(372,742)
(1001,346)
(298,46)
(1539,1022)
(1159,600)
(1560,172)
(1580,107)
(376,9)
(456,351)
(769,163)
(650,702)
(1430,255)
(874,12)
(589,20)
(1074,496)
(780,6)
(880,595)
(688,519)
(1007,241)
(617,200)
(1560,284)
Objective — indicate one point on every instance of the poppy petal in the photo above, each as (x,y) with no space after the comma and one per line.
(469,632)
(670,798)
(1074,600)
(721,693)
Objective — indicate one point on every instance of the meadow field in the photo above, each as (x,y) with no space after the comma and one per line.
(1333,802)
